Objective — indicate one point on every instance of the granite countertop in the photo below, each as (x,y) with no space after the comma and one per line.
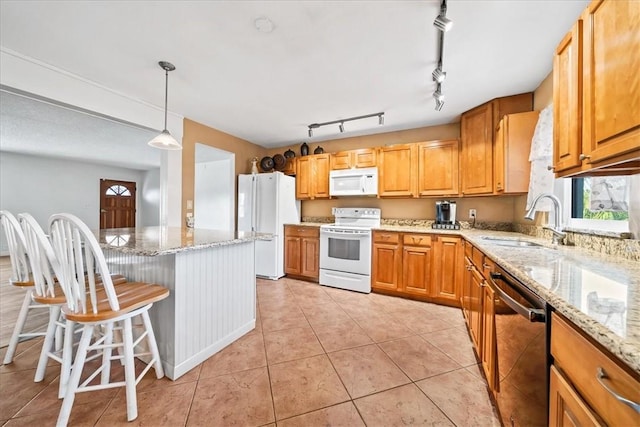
(599,293)
(152,241)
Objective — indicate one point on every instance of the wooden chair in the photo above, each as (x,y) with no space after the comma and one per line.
(93,305)
(20,277)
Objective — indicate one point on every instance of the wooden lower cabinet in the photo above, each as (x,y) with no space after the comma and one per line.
(566,408)
(301,251)
(489,344)
(417,265)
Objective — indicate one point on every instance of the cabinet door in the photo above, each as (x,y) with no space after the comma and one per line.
(477,150)
(498,157)
(417,270)
(566,408)
(292,254)
(290,167)
(303,178)
(320,176)
(449,268)
(309,257)
(438,168)
(341,160)
(475,309)
(364,158)
(397,171)
(386,266)
(488,357)
(465,298)
(611,82)
(567,71)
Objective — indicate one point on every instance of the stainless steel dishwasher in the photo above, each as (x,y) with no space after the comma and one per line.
(522,352)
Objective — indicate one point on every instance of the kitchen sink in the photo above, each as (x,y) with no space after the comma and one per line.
(517,243)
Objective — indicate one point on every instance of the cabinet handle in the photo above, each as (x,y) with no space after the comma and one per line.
(469,268)
(550,168)
(584,157)
(601,376)
(485,265)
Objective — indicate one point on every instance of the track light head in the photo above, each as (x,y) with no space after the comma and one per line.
(443,23)
(310,132)
(438,75)
(439,105)
(438,95)
(341,127)
(381,119)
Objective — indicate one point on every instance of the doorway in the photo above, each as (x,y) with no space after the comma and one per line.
(117,204)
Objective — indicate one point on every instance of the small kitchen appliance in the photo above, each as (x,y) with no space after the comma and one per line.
(446,215)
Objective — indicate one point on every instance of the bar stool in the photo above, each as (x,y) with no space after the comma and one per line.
(20,277)
(104,306)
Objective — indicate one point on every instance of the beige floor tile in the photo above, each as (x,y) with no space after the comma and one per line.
(417,358)
(346,334)
(305,385)
(462,397)
(246,353)
(168,406)
(291,344)
(17,389)
(383,327)
(306,301)
(420,322)
(149,381)
(342,415)
(238,399)
(26,357)
(401,406)
(455,343)
(366,370)
(282,318)
(330,313)
(83,415)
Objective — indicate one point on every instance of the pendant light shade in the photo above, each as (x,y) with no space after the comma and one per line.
(164,140)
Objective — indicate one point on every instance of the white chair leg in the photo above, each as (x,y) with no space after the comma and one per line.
(67,355)
(153,346)
(17,330)
(54,313)
(129,371)
(59,335)
(106,354)
(76,373)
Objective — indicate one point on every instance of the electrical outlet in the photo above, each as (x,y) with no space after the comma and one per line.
(472,213)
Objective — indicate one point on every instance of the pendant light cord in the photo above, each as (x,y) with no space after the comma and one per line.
(166,95)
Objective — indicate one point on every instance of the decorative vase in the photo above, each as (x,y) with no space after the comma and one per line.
(318,150)
(254,165)
(304,149)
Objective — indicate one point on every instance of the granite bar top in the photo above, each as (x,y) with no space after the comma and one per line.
(153,241)
(599,293)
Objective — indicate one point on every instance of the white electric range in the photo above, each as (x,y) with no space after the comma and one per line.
(345,249)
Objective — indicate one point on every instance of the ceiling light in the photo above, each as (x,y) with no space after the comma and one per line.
(165,141)
(340,122)
(438,75)
(443,23)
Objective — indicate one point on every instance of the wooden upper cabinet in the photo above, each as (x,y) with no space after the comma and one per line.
(438,168)
(611,83)
(512,168)
(567,74)
(477,150)
(312,177)
(362,158)
(477,128)
(397,170)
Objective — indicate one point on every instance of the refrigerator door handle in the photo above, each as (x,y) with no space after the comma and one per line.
(254,211)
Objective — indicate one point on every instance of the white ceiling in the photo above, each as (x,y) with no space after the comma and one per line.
(324,60)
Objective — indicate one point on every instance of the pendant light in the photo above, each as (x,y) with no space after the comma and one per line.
(165,141)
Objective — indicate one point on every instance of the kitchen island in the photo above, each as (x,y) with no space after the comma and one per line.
(211,276)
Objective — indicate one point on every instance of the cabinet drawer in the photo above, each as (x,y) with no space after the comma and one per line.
(416,240)
(478,258)
(386,237)
(581,361)
(302,231)
(468,250)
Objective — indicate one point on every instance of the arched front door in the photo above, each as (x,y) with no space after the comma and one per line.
(117,204)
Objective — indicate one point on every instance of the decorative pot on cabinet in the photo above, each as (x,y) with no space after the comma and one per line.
(304,149)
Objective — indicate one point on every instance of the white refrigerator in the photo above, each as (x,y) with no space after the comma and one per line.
(266,202)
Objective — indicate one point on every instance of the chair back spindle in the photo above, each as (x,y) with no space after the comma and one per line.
(44,265)
(16,244)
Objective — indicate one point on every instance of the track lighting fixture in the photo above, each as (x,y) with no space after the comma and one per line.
(165,141)
(439,105)
(443,23)
(438,95)
(340,122)
(438,75)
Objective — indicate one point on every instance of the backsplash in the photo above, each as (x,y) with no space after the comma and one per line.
(614,245)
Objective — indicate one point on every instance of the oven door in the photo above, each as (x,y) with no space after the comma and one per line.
(347,250)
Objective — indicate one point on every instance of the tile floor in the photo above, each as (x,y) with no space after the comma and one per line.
(318,356)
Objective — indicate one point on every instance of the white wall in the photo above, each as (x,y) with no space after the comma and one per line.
(149,199)
(44,186)
(213,205)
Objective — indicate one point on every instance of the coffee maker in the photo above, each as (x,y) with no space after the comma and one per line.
(446,215)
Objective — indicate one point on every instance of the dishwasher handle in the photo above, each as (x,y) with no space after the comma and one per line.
(533,314)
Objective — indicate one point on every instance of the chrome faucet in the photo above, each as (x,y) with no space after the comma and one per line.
(558,235)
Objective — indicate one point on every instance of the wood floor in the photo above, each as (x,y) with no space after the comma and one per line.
(11,298)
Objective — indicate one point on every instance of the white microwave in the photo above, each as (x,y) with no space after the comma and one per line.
(354,182)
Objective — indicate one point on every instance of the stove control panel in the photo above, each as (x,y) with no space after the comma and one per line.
(373,213)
